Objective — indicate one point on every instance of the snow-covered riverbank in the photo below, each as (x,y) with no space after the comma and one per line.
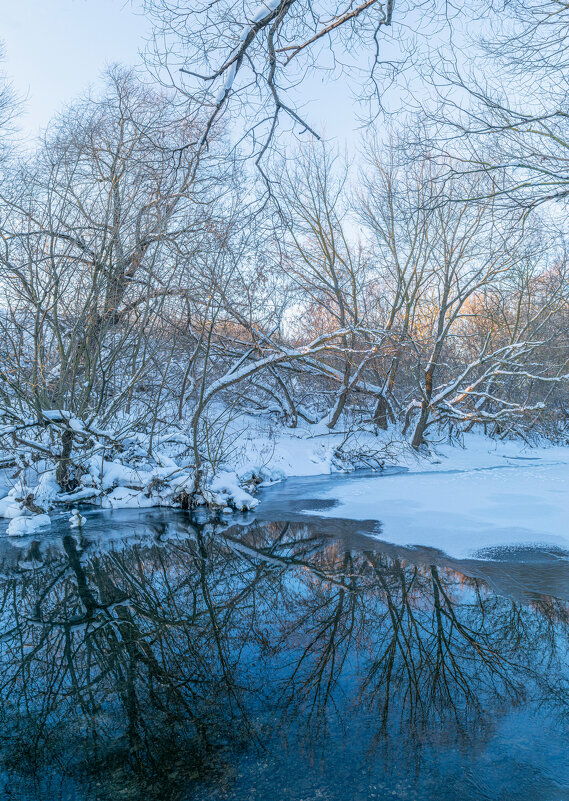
(462,498)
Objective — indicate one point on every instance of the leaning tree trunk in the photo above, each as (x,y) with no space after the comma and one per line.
(418,435)
(341,399)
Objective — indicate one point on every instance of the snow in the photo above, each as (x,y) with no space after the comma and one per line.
(47,489)
(113,474)
(468,501)
(76,520)
(227,83)
(19,526)
(274,453)
(135,480)
(464,501)
(56,414)
(225,486)
(263,9)
(78,495)
(9,507)
(76,424)
(127,498)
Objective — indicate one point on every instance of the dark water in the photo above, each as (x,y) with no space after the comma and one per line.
(152,656)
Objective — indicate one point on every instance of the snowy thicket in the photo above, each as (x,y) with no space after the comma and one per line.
(148,315)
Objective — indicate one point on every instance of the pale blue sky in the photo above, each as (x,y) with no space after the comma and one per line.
(56,48)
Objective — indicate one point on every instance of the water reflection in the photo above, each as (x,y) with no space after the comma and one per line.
(187,660)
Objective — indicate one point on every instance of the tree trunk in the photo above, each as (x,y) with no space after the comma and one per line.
(342,398)
(418,440)
(421,426)
(381,413)
(62,472)
(339,408)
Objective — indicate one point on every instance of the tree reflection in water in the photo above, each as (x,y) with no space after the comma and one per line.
(152,667)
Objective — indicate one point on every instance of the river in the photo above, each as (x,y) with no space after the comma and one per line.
(278,655)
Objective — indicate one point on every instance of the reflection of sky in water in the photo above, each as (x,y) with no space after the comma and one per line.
(155,656)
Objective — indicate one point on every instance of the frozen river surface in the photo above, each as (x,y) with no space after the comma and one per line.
(463,511)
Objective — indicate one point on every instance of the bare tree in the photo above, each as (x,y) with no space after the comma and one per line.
(440,255)
(8,108)
(250,59)
(97,233)
(504,110)
(327,269)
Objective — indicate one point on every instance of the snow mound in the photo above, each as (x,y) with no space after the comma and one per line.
(226,488)
(76,519)
(22,525)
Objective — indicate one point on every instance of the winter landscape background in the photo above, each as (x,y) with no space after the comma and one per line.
(284,380)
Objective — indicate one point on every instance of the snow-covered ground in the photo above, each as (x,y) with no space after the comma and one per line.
(274,452)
